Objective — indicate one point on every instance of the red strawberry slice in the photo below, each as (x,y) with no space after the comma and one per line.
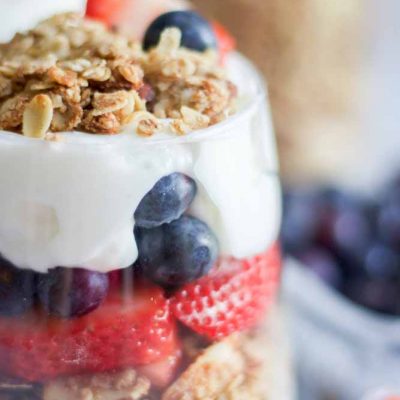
(107,11)
(131,17)
(129,330)
(226,42)
(234,297)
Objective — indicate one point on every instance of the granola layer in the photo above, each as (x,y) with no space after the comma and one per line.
(91,79)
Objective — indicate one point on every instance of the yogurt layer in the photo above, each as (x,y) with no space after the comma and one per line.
(71,203)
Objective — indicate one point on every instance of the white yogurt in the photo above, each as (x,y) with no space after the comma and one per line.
(71,203)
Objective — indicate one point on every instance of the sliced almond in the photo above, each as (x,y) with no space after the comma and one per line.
(37,116)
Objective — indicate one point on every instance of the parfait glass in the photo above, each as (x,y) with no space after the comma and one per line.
(144,267)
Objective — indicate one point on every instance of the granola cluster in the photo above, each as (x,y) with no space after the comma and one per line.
(125,385)
(71,73)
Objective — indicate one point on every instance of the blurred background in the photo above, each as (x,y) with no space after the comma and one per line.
(333,72)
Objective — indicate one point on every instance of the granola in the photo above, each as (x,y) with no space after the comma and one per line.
(125,385)
(98,81)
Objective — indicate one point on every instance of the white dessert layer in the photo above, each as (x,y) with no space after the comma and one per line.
(71,203)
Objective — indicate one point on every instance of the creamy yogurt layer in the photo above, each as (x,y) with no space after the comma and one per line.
(71,203)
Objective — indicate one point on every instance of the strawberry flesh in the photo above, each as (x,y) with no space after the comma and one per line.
(226,42)
(234,297)
(130,330)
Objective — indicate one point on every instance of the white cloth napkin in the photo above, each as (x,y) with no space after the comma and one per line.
(342,351)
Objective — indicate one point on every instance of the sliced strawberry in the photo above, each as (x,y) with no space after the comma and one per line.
(131,17)
(232,298)
(107,11)
(226,42)
(163,372)
(132,330)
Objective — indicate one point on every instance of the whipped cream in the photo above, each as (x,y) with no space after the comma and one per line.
(71,203)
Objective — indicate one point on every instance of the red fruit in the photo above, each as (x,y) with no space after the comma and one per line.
(163,372)
(234,297)
(132,330)
(226,42)
(131,17)
(107,11)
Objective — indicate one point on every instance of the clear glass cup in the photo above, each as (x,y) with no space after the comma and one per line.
(100,301)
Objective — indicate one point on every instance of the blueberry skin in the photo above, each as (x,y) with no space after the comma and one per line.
(324,265)
(170,197)
(72,292)
(377,295)
(176,253)
(197,33)
(301,220)
(17,289)
(389,225)
(382,262)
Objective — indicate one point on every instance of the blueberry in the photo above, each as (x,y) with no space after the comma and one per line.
(324,265)
(170,197)
(301,222)
(176,253)
(381,262)
(197,33)
(17,289)
(389,225)
(351,232)
(72,292)
(378,295)
(392,195)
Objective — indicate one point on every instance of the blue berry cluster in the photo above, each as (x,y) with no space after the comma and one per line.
(174,248)
(351,243)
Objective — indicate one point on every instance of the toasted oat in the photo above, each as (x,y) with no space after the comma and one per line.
(132,73)
(98,80)
(62,77)
(210,374)
(146,123)
(5,87)
(100,73)
(194,119)
(67,118)
(170,41)
(125,385)
(37,116)
(104,103)
(12,111)
(179,127)
(252,365)
(106,124)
